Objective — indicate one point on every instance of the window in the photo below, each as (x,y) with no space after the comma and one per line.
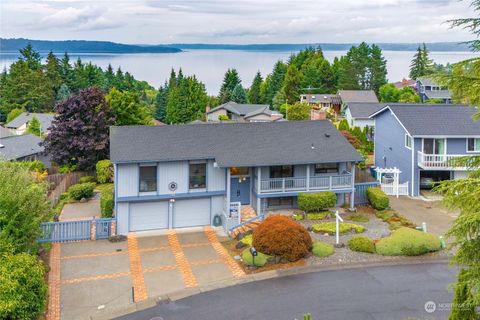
(239,171)
(434,146)
(281,171)
(197,175)
(326,168)
(408,141)
(473,145)
(148,178)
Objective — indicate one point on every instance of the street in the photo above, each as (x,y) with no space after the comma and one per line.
(389,292)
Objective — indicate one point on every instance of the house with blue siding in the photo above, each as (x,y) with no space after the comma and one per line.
(428,89)
(199,174)
(423,141)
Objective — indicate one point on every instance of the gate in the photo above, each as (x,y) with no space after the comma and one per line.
(361,191)
(64,231)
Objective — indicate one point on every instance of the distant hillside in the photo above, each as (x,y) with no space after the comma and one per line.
(85,46)
(437,46)
(82,46)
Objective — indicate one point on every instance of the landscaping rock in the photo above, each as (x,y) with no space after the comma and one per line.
(240,236)
(240,245)
(83,200)
(117,238)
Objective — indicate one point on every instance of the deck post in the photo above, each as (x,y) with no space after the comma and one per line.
(227,196)
(259,188)
(308,177)
(352,195)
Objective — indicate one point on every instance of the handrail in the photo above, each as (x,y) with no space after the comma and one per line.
(261,216)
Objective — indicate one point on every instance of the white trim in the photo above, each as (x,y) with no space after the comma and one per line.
(413,166)
(407,136)
(466,145)
(446,136)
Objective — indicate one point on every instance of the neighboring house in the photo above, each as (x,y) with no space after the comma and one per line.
(428,89)
(358,113)
(321,100)
(4,132)
(243,113)
(186,175)
(406,83)
(423,141)
(19,125)
(24,147)
(353,96)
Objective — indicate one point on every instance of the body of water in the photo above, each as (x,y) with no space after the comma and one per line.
(210,65)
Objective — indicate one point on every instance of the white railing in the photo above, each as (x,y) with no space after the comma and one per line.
(293,184)
(440,161)
(391,189)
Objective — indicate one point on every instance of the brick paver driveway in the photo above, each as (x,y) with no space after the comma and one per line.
(101,277)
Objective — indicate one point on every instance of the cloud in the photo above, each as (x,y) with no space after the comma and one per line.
(84,18)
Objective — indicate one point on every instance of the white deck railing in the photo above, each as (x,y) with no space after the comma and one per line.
(440,161)
(294,184)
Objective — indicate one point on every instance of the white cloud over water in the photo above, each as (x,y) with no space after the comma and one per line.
(234,21)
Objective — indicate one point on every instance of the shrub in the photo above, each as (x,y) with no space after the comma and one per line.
(358,218)
(259,261)
(361,244)
(330,227)
(316,202)
(407,241)
(107,202)
(223,117)
(87,179)
(318,215)
(385,214)
(377,198)
(354,141)
(322,249)
(280,236)
(343,125)
(36,166)
(248,239)
(81,190)
(104,171)
(23,290)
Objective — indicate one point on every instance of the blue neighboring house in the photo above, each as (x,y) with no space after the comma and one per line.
(178,176)
(429,89)
(423,141)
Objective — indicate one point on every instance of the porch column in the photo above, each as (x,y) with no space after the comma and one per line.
(228,189)
(308,177)
(259,184)
(352,195)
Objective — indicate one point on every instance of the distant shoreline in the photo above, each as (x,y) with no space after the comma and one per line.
(9,46)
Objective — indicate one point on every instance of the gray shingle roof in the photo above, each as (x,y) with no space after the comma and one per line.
(15,147)
(240,109)
(4,132)
(233,144)
(363,110)
(44,118)
(436,120)
(357,96)
(322,97)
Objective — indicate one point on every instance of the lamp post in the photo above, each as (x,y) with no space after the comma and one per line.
(254,253)
(338,219)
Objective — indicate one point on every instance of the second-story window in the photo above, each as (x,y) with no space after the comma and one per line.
(473,144)
(148,178)
(408,141)
(326,168)
(198,175)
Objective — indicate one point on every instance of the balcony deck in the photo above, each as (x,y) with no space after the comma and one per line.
(304,184)
(440,161)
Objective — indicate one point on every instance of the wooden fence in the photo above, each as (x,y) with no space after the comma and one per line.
(59,183)
(363,175)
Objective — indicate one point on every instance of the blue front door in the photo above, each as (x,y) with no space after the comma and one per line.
(240,191)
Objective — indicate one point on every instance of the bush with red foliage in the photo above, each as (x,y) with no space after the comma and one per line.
(282,237)
(354,141)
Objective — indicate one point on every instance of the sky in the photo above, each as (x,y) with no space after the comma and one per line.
(234,21)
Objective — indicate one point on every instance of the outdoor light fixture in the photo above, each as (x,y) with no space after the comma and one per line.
(254,253)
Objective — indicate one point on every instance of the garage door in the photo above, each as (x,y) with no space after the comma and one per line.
(148,215)
(191,213)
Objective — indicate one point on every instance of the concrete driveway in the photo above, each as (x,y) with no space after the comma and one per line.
(81,210)
(439,220)
(99,277)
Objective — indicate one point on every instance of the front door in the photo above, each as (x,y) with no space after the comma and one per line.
(240,190)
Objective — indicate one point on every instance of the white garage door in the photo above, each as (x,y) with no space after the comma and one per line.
(191,213)
(148,215)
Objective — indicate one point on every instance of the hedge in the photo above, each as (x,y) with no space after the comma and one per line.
(322,249)
(330,227)
(107,202)
(377,198)
(87,179)
(361,244)
(316,202)
(81,190)
(23,290)
(104,170)
(407,241)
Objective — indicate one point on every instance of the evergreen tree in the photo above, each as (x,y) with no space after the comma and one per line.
(238,94)
(66,71)
(291,84)
(274,82)
(31,57)
(109,81)
(34,127)
(254,94)
(52,71)
(63,93)
(421,64)
(230,81)
(377,68)
(463,305)
(161,102)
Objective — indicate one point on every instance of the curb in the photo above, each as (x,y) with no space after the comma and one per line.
(184,293)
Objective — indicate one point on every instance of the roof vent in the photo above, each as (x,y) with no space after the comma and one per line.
(2,146)
(327,135)
(312,147)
